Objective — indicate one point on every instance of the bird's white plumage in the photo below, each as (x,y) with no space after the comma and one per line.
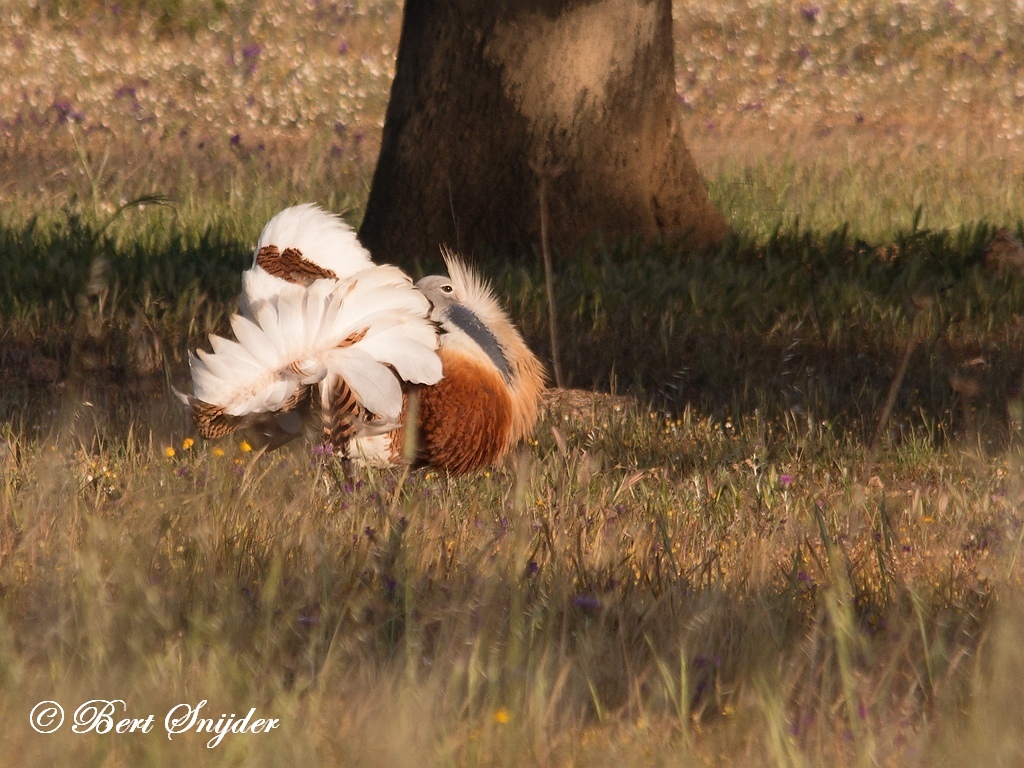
(369,327)
(373,449)
(368,330)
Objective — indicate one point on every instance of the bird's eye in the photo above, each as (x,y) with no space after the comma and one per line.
(447,288)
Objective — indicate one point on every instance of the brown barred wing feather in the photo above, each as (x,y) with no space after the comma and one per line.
(289,265)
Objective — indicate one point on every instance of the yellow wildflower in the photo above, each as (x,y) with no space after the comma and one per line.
(169,452)
(187,443)
(502,716)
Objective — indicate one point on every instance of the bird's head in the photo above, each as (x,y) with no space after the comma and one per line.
(462,325)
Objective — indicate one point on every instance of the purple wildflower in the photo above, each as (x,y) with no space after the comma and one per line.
(66,111)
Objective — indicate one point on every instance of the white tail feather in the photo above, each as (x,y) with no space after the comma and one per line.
(412,358)
(375,385)
(371,330)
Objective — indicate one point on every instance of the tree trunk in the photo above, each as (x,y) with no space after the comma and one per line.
(493,99)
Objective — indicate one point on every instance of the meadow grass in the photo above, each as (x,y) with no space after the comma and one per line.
(790,536)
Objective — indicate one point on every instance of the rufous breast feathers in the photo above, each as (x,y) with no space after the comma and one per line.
(465,418)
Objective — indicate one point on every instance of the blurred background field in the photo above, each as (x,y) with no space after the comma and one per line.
(827,113)
(786,532)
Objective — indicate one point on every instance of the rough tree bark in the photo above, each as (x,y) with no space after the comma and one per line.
(492,99)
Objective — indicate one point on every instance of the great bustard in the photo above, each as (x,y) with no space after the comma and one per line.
(381,355)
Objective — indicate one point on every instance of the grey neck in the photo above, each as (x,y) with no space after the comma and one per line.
(463,318)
